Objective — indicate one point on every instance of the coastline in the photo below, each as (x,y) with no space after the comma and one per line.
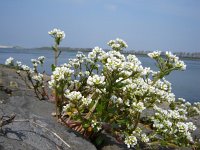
(181,55)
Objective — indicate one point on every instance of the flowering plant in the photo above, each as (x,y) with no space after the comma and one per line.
(9,61)
(108,91)
(58,36)
(33,78)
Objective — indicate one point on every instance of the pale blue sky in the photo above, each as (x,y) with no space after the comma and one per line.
(144,24)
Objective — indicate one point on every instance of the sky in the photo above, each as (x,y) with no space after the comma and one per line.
(172,25)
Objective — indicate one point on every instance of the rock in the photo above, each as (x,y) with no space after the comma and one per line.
(34,127)
(110,143)
(13,84)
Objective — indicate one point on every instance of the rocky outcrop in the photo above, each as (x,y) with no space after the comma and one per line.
(33,127)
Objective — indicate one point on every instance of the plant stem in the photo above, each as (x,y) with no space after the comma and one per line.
(137,121)
(55,55)
(91,110)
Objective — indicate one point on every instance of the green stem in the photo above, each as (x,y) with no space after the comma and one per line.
(92,109)
(55,57)
(137,121)
(56,105)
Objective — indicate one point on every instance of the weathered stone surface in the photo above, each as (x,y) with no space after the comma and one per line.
(34,128)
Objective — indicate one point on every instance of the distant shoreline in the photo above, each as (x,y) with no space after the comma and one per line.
(182,55)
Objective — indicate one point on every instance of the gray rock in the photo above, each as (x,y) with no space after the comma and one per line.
(34,128)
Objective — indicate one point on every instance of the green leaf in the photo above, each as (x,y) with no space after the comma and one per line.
(86,125)
(53,67)
(119,85)
(172,106)
(99,108)
(122,121)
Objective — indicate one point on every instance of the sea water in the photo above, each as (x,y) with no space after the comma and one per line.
(185,84)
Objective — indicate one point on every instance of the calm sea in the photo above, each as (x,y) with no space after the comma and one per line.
(185,84)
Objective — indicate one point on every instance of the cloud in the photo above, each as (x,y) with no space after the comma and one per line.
(111,7)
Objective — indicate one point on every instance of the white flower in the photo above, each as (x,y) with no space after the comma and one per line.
(180,64)
(187,104)
(157,124)
(182,127)
(127,103)
(181,100)
(144,138)
(171,57)
(113,98)
(191,126)
(87,73)
(86,101)
(130,141)
(167,123)
(52,83)
(154,54)
(25,67)
(38,77)
(57,33)
(189,137)
(74,95)
(66,107)
(60,75)
(113,63)
(96,125)
(34,60)
(91,55)
(117,44)
(41,59)
(196,110)
(197,103)
(146,71)
(96,80)
(9,61)
(18,63)
(122,43)
(138,106)
(168,54)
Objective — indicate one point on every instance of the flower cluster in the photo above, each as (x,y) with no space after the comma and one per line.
(173,124)
(109,88)
(154,54)
(171,59)
(75,97)
(9,61)
(38,61)
(57,34)
(60,76)
(38,77)
(35,78)
(96,80)
(175,61)
(117,44)
(130,141)
(138,106)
